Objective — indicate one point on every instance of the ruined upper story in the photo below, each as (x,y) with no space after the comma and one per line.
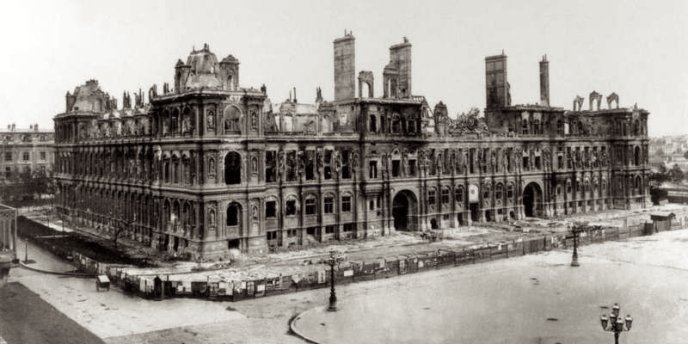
(207,100)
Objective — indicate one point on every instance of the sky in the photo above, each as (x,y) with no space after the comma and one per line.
(638,49)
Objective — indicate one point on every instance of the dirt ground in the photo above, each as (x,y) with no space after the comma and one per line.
(308,260)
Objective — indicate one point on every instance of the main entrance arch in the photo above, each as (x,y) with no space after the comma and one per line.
(405,211)
(532,200)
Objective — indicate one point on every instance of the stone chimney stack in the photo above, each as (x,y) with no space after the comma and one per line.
(344,67)
(496,82)
(544,81)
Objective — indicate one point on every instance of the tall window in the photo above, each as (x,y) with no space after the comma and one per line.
(42,155)
(431,197)
(310,206)
(346,204)
(270,166)
(445,196)
(232,168)
(329,205)
(8,156)
(458,194)
(396,168)
(270,209)
(373,124)
(290,208)
(372,169)
(26,156)
(233,212)
(346,165)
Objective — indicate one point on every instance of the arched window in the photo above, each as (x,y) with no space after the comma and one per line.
(232,120)
(232,168)
(638,185)
(233,214)
(525,127)
(175,169)
(166,170)
(636,156)
(174,218)
(186,169)
(568,186)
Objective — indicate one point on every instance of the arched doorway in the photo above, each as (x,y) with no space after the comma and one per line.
(405,211)
(532,200)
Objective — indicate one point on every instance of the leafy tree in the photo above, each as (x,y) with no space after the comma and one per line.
(675,174)
(685,154)
(662,169)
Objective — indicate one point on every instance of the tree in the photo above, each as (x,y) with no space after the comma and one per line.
(662,169)
(660,152)
(685,154)
(675,174)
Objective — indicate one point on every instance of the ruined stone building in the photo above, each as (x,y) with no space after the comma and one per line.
(206,165)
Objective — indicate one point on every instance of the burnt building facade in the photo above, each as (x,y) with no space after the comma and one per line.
(207,166)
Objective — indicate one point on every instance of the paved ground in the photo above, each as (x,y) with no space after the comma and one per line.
(514,296)
(532,299)
(26,319)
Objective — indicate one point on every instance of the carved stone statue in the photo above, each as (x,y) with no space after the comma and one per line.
(337,158)
(301,160)
(546,156)
(354,162)
(281,163)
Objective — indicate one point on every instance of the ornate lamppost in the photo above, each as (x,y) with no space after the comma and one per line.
(615,323)
(334,259)
(575,231)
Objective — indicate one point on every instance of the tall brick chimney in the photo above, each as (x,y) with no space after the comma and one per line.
(544,81)
(344,67)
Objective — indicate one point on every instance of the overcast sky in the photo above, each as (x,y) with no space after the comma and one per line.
(638,49)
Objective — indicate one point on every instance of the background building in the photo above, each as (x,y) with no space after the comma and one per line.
(207,166)
(25,150)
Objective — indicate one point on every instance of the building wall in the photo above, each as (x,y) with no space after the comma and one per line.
(207,169)
(23,150)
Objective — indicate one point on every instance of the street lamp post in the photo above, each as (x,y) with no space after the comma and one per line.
(615,323)
(575,231)
(334,259)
